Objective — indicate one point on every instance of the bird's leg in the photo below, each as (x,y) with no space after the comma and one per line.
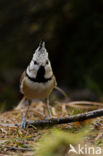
(48,108)
(23,124)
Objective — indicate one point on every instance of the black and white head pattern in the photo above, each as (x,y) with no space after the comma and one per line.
(40,66)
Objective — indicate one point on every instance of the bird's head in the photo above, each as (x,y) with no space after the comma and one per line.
(40,63)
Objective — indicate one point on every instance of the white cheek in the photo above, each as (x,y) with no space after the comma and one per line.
(32,70)
(31,65)
(48,72)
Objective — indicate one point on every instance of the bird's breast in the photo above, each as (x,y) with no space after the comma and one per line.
(35,90)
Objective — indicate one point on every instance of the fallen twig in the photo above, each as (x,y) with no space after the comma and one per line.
(62,92)
(62,120)
(18,149)
(85,104)
(8,125)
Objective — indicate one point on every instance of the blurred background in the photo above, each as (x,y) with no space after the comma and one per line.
(73,32)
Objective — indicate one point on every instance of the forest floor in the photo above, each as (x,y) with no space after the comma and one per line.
(49,141)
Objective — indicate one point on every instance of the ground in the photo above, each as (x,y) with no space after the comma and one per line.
(31,141)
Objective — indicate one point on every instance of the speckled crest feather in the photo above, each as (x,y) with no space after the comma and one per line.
(40,53)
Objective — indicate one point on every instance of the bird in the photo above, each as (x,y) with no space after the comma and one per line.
(38,80)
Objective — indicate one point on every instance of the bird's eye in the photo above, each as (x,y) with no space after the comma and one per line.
(35,62)
(47,62)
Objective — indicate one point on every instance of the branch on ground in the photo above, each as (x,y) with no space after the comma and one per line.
(62,120)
